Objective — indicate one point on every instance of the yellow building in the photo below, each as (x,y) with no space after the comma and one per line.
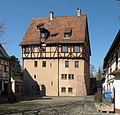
(56,56)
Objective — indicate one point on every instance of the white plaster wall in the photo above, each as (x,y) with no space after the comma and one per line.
(119,58)
(13,85)
(117,93)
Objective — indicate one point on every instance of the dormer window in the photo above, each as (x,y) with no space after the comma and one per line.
(39,26)
(54,34)
(67,35)
(67,32)
(42,35)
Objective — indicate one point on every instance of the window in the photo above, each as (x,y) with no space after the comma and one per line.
(43,49)
(0,85)
(116,59)
(35,76)
(51,83)
(66,64)
(42,35)
(44,64)
(64,76)
(67,35)
(76,64)
(76,48)
(50,64)
(71,76)
(70,90)
(26,49)
(5,68)
(63,90)
(54,34)
(35,63)
(64,49)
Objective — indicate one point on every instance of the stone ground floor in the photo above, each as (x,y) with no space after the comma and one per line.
(50,106)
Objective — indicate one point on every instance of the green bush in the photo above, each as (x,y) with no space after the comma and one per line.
(98,97)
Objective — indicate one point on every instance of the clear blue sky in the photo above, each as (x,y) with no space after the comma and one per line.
(102,21)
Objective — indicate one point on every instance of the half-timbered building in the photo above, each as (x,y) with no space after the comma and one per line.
(56,56)
(111,69)
(4,73)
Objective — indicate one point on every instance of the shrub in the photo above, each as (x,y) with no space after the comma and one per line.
(98,97)
(12,97)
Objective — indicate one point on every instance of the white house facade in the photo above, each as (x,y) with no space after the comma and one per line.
(111,69)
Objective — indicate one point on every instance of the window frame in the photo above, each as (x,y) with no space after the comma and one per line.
(66,64)
(35,76)
(76,49)
(64,50)
(51,83)
(66,35)
(63,89)
(71,76)
(42,49)
(43,62)
(0,85)
(42,35)
(63,76)
(76,65)
(26,50)
(69,90)
(35,64)
(5,68)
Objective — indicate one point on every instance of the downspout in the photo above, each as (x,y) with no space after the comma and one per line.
(9,83)
(58,68)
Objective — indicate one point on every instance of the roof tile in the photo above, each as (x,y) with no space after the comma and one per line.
(57,25)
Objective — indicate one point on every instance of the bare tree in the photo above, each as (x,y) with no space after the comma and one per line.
(92,71)
(2,27)
(119,6)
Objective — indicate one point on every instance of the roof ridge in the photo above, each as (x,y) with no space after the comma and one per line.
(59,16)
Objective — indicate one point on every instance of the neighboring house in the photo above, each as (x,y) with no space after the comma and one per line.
(4,73)
(16,84)
(112,71)
(56,56)
(99,85)
(93,86)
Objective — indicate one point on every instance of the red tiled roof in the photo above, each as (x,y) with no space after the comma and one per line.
(57,25)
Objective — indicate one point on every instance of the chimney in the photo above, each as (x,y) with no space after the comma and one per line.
(78,12)
(51,15)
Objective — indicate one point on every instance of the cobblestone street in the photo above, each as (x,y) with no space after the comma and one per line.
(51,106)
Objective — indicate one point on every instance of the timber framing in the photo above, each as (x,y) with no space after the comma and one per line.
(57,46)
